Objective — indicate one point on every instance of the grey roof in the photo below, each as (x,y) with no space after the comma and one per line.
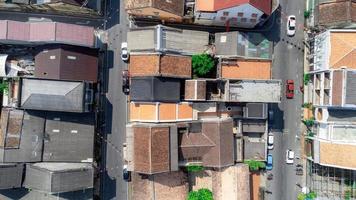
(26,194)
(165,39)
(255,111)
(253,126)
(53,95)
(243,44)
(350,97)
(258,91)
(59,177)
(62,167)
(155,89)
(69,137)
(30,137)
(10,175)
(343,115)
(254,150)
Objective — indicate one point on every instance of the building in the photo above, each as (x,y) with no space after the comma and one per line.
(152,148)
(247,45)
(55,95)
(245,69)
(333,49)
(69,137)
(21,136)
(334,14)
(156,9)
(257,91)
(45,32)
(160,112)
(333,88)
(11,175)
(156,64)
(53,178)
(209,143)
(234,13)
(26,194)
(66,62)
(227,183)
(169,40)
(163,186)
(155,89)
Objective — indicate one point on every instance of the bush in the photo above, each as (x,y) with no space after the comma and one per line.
(4,87)
(202,194)
(255,165)
(309,122)
(195,168)
(309,196)
(307,105)
(202,64)
(307,14)
(306,79)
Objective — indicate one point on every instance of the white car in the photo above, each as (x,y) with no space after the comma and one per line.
(291,25)
(270,141)
(124,52)
(289,156)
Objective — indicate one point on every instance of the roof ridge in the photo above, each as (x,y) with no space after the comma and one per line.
(346,54)
(347,44)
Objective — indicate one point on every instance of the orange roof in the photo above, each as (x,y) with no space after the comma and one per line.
(246,69)
(342,155)
(205,5)
(215,5)
(343,50)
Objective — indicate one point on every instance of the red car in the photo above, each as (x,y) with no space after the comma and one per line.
(290,89)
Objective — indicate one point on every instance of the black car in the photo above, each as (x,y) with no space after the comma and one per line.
(126,175)
(125,82)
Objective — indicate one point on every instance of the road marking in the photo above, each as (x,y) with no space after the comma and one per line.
(297,59)
(299,11)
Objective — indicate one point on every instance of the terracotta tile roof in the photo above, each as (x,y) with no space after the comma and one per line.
(215,5)
(246,69)
(343,50)
(336,12)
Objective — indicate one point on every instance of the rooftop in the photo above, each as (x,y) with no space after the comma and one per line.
(60,167)
(215,5)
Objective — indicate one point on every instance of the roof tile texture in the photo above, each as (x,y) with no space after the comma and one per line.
(338,154)
(247,70)
(160,65)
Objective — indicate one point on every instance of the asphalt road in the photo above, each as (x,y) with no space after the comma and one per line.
(287,64)
(113,186)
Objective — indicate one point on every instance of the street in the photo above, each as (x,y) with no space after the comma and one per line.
(287,64)
(112,185)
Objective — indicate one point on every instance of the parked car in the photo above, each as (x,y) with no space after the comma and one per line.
(270,141)
(125,82)
(126,175)
(290,89)
(291,25)
(270,117)
(269,164)
(289,156)
(299,171)
(124,52)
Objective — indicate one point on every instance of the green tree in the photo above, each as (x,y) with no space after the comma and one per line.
(255,165)
(201,194)
(4,87)
(309,122)
(307,14)
(202,64)
(306,79)
(195,168)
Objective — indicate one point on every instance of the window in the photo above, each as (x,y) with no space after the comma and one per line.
(243,19)
(253,20)
(240,14)
(223,18)
(234,19)
(226,14)
(254,15)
